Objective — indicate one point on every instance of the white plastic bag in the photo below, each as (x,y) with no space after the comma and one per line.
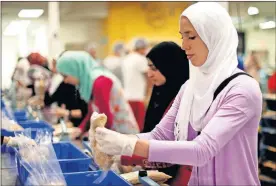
(40,160)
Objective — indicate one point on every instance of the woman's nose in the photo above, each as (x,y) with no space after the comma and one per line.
(185,45)
(150,74)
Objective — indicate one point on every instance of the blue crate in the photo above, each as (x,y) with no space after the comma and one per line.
(87,179)
(7,149)
(70,159)
(9,154)
(5,110)
(20,118)
(3,105)
(92,178)
(88,150)
(5,132)
(36,125)
(20,113)
(30,124)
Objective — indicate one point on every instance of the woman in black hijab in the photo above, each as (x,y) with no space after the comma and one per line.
(168,70)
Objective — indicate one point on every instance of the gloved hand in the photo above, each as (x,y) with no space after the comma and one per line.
(96,120)
(116,166)
(114,143)
(117,159)
(20,140)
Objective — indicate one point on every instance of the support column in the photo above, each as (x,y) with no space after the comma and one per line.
(54,43)
(23,49)
(225,4)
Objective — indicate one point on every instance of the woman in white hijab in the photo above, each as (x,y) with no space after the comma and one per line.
(212,124)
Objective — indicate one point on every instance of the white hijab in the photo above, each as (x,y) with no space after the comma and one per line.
(214,26)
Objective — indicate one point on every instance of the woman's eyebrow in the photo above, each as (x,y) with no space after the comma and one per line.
(186,32)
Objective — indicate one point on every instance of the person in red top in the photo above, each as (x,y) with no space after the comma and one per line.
(168,71)
(272,84)
(100,89)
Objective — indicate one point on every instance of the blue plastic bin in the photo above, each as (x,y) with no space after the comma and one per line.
(36,125)
(5,132)
(30,124)
(20,118)
(7,149)
(87,179)
(20,113)
(94,166)
(10,161)
(92,178)
(70,158)
(5,110)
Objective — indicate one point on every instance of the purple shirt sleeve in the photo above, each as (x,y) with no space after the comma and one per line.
(236,110)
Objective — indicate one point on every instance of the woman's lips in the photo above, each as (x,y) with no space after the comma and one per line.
(152,80)
(190,56)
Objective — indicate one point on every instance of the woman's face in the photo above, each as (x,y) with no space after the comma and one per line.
(155,75)
(196,50)
(70,80)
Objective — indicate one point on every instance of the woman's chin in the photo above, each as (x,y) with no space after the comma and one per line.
(196,63)
(158,84)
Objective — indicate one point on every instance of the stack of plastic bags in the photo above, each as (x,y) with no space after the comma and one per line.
(39,159)
(9,124)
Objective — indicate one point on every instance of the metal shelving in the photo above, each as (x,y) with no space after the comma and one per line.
(267,159)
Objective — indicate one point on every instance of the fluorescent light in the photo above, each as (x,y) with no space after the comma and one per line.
(252,11)
(15,27)
(267,25)
(30,13)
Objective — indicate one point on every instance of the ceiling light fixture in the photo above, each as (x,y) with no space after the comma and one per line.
(267,25)
(253,11)
(15,27)
(30,13)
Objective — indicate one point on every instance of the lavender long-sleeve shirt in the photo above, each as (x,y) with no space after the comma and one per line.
(225,153)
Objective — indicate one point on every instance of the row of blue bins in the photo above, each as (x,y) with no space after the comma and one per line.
(77,168)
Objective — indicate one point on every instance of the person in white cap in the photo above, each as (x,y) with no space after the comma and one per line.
(91,49)
(114,62)
(134,67)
